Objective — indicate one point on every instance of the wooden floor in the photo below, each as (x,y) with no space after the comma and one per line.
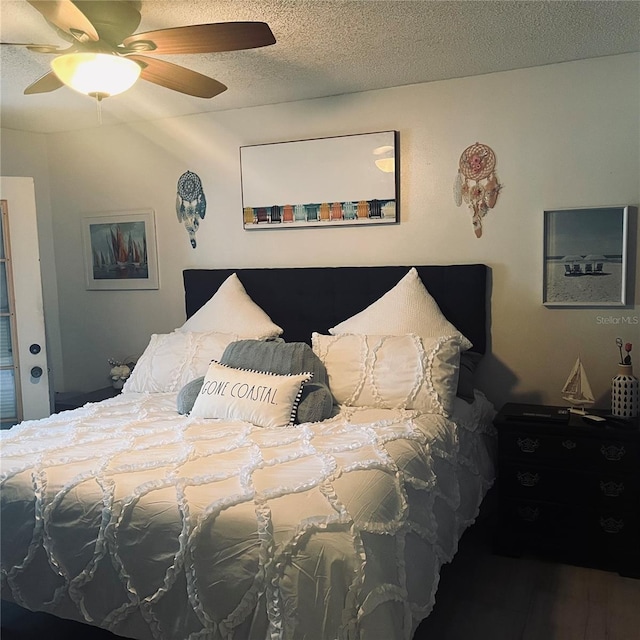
(481,596)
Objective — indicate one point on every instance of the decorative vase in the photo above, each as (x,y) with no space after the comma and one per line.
(624,393)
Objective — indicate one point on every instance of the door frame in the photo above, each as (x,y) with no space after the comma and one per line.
(27,288)
(8,265)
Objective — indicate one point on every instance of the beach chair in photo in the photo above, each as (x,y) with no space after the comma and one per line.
(577,271)
(599,266)
(588,269)
(567,269)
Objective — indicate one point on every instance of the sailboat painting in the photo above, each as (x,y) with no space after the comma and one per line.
(120,251)
(577,389)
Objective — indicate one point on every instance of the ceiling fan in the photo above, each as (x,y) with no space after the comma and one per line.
(101,32)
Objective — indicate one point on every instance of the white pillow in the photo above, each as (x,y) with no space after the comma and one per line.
(231,310)
(407,308)
(391,372)
(264,399)
(173,359)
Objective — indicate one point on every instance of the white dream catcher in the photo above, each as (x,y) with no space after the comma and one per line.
(477,183)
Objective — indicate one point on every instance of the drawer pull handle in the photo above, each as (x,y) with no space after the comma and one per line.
(569,444)
(613,452)
(528,445)
(528,514)
(528,479)
(612,489)
(611,525)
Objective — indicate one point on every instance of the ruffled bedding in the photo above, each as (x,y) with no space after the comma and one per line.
(128,516)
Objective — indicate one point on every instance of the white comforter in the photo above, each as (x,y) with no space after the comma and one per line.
(125,515)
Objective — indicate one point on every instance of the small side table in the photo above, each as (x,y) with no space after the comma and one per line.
(569,490)
(66,401)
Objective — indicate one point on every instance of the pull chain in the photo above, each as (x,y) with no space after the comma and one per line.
(98,96)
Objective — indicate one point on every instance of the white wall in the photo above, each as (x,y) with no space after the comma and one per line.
(565,135)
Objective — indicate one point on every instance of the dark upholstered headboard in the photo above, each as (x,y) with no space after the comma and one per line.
(306,299)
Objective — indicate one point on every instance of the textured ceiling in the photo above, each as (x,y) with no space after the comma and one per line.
(323,48)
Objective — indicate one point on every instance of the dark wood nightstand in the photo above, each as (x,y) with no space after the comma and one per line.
(66,401)
(569,490)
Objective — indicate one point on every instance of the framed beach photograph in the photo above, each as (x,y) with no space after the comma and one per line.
(340,181)
(120,250)
(585,257)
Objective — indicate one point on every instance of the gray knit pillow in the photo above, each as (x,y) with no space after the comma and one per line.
(188,394)
(316,403)
(275,356)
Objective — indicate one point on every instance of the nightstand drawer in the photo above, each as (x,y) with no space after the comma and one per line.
(599,523)
(67,401)
(569,451)
(614,454)
(550,484)
(529,445)
(534,517)
(529,482)
(604,538)
(620,492)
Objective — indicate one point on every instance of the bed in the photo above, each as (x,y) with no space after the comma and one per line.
(133,517)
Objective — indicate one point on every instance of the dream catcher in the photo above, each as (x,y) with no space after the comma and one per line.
(476,182)
(191,205)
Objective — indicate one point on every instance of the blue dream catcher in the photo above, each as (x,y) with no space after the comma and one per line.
(191,205)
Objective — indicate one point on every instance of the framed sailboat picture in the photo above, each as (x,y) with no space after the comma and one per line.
(585,257)
(120,250)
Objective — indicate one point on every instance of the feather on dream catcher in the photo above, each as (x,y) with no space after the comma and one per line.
(477,183)
(191,205)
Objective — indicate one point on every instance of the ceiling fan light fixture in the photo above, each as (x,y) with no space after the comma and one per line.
(96,74)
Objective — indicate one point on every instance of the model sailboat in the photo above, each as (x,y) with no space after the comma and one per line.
(577,389)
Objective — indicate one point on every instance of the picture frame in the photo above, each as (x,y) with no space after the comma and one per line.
(120,250)
(585,257)
(343,181)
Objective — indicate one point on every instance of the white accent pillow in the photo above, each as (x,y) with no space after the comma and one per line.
(262,398)
(173,359)
(231,310)
(407,308)
(391,372)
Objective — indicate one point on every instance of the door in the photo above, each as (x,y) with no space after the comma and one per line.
(24,376)
(10,397)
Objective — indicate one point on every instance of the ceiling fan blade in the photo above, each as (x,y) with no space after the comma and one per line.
(39,48)
(173,76)
(114,20)
(45,48)
(67,17)
(49,48)
(48,82)
(203,38)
